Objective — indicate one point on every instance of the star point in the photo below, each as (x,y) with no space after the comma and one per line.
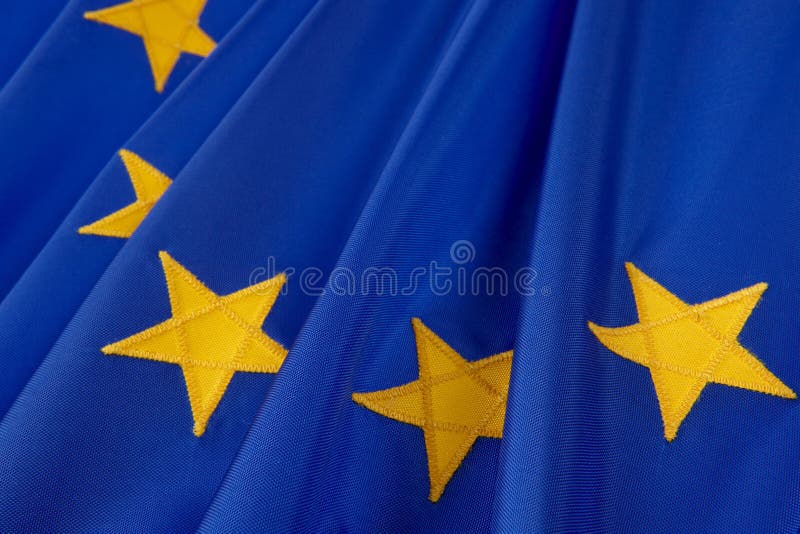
(688,346)
(454,402)
(210,337)
(167,28)
(149,184)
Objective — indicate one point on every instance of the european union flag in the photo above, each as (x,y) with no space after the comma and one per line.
(399,266)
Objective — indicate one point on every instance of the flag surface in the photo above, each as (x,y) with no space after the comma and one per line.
(399,266)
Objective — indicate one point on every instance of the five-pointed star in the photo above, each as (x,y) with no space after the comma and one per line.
(210,337)
(148,183)
(687,346)
(167,27)
(454,402)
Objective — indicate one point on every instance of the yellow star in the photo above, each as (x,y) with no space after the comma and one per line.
(454,402)
(148,183)
(167,27)
(687,346)
(209,337)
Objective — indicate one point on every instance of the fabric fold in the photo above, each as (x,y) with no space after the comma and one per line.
(421,207)
(664,150)
(70,264)
(250,204)
(81,92)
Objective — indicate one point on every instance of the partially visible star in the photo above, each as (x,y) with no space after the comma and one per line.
(454,402)
(167,27)
(209,336)
(687,346)
(148,184)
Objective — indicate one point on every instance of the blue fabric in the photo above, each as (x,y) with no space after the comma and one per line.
(362,471)
(22,25)
(549,138)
